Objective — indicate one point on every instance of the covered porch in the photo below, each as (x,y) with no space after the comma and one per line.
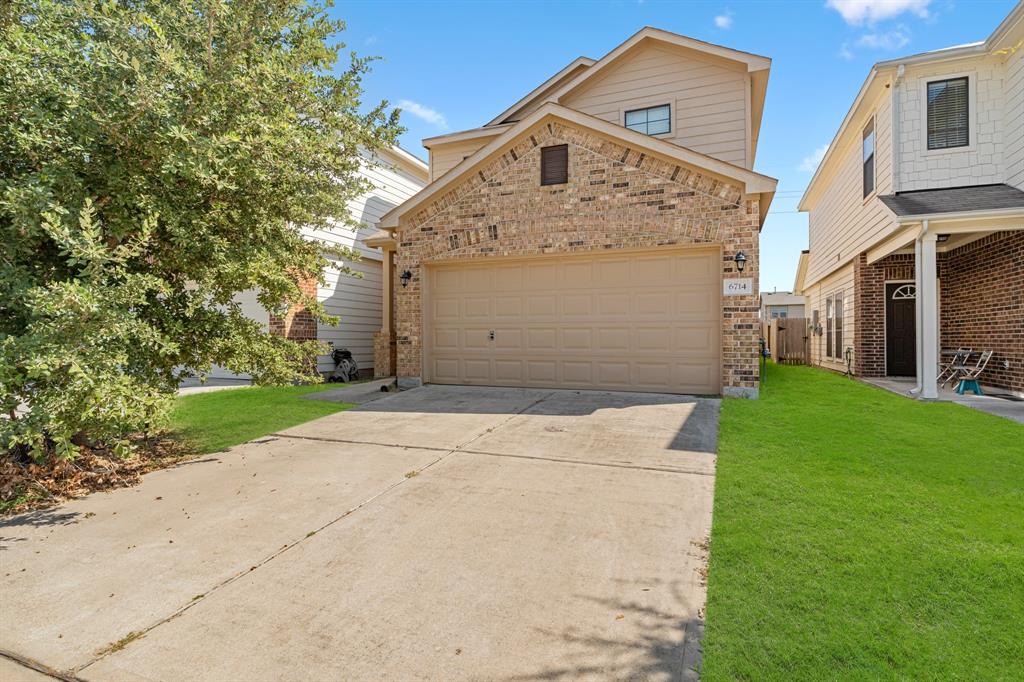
(951,277)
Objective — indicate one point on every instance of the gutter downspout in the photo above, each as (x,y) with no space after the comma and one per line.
(895,144)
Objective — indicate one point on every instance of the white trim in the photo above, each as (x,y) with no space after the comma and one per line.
(960,215)
(972,112)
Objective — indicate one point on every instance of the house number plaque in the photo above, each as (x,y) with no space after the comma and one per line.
(738,287)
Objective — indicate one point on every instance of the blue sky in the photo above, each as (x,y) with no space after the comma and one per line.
(456,65)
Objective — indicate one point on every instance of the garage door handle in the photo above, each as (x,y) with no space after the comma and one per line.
(491,335)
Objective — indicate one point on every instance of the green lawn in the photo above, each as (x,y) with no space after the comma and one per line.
(859,535)
(217,420)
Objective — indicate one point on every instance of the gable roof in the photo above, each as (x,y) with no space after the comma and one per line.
(1000,41)
(583,69)
(580,63)
(751,182)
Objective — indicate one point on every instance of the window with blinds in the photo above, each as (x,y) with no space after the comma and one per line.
(948,114)
(868,158)
(554,165)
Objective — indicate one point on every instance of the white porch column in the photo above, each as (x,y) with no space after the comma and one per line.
(928,304)
(917,316)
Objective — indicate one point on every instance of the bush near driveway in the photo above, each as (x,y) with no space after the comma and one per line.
(200,424)
(861,535)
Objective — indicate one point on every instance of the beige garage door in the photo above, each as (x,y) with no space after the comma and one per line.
(646,321)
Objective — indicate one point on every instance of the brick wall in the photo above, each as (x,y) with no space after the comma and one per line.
(616,198)
(983,304)
(981,295)
(298,324)
(384,352)
(869,322)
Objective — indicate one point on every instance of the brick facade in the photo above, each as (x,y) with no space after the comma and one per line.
(983,304)
(869,314)
(616,197)
(298,324)
(981,296)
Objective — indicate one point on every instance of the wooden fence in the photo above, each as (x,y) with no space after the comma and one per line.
(788,339)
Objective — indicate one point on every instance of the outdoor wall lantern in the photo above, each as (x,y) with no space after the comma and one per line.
(405,277)
(741,261)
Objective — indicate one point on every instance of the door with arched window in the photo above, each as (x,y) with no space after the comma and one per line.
(900,329)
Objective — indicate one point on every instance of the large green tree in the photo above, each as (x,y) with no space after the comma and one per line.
(156,158)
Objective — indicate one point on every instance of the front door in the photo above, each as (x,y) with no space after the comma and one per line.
(900,346)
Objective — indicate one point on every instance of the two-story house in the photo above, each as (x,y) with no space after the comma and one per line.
(916,218)
(599,233)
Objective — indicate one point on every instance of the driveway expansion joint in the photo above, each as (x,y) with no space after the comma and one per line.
(446,453)
(36,666)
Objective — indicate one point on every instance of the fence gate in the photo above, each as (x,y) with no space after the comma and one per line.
(788,339)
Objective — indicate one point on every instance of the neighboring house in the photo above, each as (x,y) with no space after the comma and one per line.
(396,175)
(588,235)
(917,217)
(781,304)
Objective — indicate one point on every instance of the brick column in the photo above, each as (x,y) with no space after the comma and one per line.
(740,324)
(869,318)
(298,324)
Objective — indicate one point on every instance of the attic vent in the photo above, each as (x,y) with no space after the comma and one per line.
(554,165)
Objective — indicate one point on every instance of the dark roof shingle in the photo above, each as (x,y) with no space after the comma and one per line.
(954,200)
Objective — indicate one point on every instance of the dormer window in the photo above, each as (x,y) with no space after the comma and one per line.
(948,113)
(650,121)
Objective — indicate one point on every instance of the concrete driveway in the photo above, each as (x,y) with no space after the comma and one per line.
(440,533)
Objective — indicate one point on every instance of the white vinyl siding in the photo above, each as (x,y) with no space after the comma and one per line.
(356,300)
(817,296)
(842,223)
(709,99)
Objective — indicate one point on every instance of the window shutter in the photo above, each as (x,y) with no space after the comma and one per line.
(554,165)
(948,114)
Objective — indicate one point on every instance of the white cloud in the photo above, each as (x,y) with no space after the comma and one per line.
(724,20)
(810,163)
(370,40)
(856,12)
(435,118)
(845,52)
(890,40)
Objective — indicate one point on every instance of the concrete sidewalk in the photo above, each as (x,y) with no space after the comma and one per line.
(440,533)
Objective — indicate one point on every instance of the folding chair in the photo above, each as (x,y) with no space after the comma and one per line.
(954,367)
(969,380)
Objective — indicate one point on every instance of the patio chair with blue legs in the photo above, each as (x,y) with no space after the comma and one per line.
(969,380)
(955,367)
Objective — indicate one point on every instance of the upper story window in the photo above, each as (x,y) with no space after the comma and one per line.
(650,121)
(868,158)
(554,165)
(947,113)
